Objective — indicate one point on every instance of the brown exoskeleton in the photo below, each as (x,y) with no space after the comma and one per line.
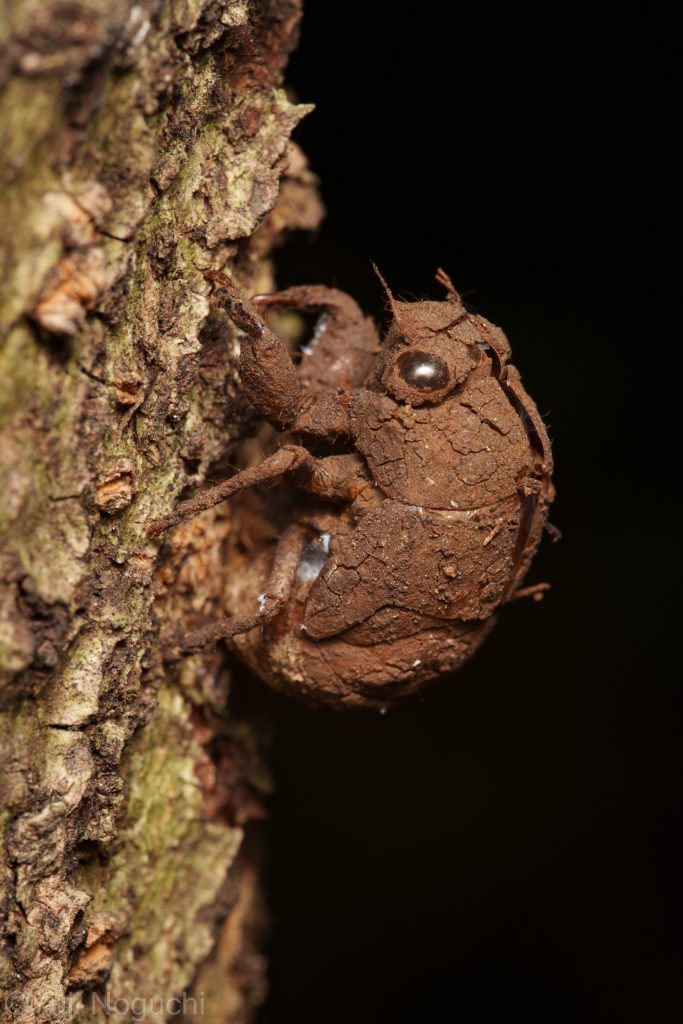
(423,528)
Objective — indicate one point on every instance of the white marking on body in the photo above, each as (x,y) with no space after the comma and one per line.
(313,558)
(494,532)
(318,331)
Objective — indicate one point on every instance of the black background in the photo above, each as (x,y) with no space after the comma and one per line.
(503,849)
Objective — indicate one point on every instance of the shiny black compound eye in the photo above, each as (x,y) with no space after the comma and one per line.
(423,371)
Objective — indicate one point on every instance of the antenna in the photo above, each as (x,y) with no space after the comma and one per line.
(387,289)
(445,282)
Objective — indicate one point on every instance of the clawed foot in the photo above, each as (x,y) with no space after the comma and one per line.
(240,308)
(179,645)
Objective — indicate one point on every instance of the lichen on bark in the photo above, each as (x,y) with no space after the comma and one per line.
(144,143)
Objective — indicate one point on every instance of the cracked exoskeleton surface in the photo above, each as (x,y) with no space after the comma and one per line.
(423,527)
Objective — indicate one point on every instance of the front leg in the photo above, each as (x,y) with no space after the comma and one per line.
(266,369)
(345,343)
(270,379)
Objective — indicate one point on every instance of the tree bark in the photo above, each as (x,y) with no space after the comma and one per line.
(144,143)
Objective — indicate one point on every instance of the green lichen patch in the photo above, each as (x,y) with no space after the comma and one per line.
(169,864)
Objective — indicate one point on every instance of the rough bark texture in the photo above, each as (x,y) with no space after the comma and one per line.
(145,142)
